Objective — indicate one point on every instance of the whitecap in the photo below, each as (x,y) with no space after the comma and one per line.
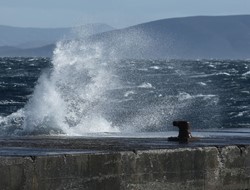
(170,67)
(128,93)
(202,83)
(209,75)
(155,67)
(245,92)
(185,96)
(201,75)
(245,74)
(145,85)
(212,66)
(240,114)
(223,73)
(6,102)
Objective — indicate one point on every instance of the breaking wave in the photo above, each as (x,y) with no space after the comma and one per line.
(69,98)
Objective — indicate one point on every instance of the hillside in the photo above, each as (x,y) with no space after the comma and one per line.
(226,37)
(37,37)
(200,37)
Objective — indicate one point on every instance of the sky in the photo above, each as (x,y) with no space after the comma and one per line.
(117,13)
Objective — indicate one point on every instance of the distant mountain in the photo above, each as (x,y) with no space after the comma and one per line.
(200,37)
(37,37)
(183,38)
(44,51)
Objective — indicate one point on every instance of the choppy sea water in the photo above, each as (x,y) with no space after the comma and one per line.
(40,96)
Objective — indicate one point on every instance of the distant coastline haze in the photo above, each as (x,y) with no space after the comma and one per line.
(199,37)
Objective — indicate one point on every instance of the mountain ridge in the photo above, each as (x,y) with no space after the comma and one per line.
(196,37)
(30,37)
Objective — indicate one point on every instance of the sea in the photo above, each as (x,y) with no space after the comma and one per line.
(79,91)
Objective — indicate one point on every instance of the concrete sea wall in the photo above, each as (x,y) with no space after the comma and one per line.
(226,167)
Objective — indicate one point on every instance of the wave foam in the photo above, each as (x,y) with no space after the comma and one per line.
(70,98)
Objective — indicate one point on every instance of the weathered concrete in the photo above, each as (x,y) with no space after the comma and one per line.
(182,168)
(124,163)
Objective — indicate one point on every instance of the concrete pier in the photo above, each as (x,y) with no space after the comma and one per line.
(221,162)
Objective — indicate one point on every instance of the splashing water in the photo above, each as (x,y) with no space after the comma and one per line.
(91,90)
(69,99)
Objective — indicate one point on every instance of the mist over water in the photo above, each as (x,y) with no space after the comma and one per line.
(89,88)
(70,98)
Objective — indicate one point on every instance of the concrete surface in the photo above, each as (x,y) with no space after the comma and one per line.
(121,163)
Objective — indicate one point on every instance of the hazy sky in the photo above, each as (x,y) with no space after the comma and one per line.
(117,13)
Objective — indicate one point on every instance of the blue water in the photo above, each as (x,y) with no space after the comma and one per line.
(147,95)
